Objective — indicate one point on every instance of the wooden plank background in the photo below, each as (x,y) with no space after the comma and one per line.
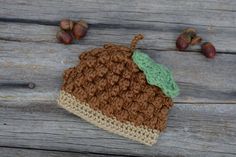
(203,120)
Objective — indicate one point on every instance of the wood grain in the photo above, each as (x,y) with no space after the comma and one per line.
(193,129)
(202,122)
(24,152)
(161,38)
(200,79)
(134,12)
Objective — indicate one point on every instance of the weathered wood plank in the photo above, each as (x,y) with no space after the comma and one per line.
(24,152)
(31,119)
(134,12)
(162,38)
(200,79)
(193,129)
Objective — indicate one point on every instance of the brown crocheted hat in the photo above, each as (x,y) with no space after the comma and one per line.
(108,89)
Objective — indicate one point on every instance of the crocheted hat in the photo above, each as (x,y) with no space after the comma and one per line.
(121,90)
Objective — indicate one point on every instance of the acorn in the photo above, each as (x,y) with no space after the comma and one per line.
(80,29)
(64,37)
(183,41)
(66,24)
(208,50)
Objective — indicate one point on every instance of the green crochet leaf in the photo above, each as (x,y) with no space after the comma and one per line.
(156,74)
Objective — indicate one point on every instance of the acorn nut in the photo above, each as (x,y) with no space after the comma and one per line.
(183,42)
(64,37)
(208,50)
(80,29)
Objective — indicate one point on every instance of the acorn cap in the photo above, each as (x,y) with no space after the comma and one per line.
(192,32)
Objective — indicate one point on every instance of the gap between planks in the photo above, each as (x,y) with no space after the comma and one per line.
(8,151)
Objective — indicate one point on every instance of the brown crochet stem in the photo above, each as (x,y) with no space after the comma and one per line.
(135,41)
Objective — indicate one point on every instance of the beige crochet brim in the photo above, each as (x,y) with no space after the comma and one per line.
(138,133)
